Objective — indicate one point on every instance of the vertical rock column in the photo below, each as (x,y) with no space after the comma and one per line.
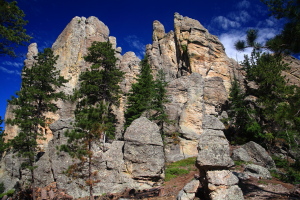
(214,162)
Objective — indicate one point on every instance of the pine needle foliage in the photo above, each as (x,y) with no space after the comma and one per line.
(276,107)
(140,96)
(12,31)
(288,41)
(160,98)
(245,126)
(37,97)
(94,117)
(148,96)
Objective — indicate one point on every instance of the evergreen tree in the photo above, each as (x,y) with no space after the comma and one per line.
(99,90)
(36,97)
(140,98)
(245,126)
(159,100)
(274,96)
(3,145)
(12,32)
(288,41)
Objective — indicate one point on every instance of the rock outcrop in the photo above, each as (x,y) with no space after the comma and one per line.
(198,73)
(253,152)
(214,161)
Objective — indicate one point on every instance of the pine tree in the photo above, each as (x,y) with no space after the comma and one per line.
(274,96)
(140,98)
(3,145)
(94,118)
(245,126)
(12,32)
(288,41)
(37,97)
(160,98)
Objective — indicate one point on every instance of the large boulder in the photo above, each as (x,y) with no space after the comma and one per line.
(143,150)
(213,150)
(259,155)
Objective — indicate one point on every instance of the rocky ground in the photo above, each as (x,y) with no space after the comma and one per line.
(253,188)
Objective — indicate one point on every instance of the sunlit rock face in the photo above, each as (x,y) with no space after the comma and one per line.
(198,73)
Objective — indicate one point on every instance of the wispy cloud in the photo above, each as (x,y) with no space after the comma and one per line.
(13,64)
(240,16)
(225,23)
(243,4)
(228,39)
(236,23)
(8,71)
(135,43)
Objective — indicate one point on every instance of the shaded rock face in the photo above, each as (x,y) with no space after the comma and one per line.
(259,155)
(199,75)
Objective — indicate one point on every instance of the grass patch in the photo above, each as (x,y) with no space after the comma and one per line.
(262,182)
(8,193)
(239,162)
(179,168)
(184,163)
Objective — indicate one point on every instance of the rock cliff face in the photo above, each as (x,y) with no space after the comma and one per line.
(199,75)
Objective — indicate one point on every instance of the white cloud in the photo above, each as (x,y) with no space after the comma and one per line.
(265,34)
(13,64)
(225,23)
(228,40)
(243,4)
(136,44)
(7,71)
(241,16)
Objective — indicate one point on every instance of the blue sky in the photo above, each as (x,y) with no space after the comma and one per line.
(131,23)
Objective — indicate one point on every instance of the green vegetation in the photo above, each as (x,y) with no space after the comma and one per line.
(240,162)
(12,31)
(3,145)
(288,41)
(94,119)
(141,94)
(179,168)
(37,97)
(159,99)
(274,114)
(174,172)
(272,117)
(289,173)
(147,95)
(9,193)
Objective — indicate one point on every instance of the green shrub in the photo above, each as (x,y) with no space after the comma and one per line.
(281,163)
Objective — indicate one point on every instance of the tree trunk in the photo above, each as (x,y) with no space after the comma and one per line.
(90,172)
